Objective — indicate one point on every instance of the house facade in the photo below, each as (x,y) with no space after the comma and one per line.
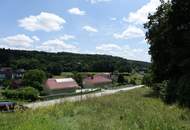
(8,73)
(63,85)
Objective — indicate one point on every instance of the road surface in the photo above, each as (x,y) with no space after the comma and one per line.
(77,98)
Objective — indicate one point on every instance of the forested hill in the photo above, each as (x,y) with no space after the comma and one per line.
(59,62)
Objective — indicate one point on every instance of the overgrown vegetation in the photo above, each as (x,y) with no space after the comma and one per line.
(168,35)
(134,110)
(26,93)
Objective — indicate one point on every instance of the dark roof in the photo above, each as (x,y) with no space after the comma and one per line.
(7,103)
(6,69)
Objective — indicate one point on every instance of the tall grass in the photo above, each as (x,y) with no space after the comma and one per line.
(134,110)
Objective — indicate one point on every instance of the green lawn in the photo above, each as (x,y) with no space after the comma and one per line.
(133,110)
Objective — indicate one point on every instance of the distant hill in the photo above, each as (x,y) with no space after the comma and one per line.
(55,63)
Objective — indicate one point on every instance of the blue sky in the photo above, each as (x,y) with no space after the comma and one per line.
(113,27)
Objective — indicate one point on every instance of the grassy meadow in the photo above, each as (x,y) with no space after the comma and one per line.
(133,110)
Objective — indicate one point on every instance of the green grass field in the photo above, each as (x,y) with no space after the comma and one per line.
(133,110)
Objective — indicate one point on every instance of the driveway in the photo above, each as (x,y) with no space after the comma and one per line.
(77,98)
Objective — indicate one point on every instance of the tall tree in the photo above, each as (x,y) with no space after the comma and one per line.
(158,38)
(168,35)
(180,47)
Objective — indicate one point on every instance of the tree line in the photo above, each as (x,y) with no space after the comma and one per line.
(55,63)
(168,34)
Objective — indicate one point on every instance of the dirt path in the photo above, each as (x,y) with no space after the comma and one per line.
(78,98)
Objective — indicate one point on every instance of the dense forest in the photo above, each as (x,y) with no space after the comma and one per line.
(55,63)
(168,33)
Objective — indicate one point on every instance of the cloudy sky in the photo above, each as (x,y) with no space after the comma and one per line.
(113,27)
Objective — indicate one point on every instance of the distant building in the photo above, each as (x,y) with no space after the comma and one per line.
(18,74)
(6,73)
(2,76)
(64,85)
(9,73)
(105,75)
(97,81)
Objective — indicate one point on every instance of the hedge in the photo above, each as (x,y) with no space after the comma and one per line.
(26,93)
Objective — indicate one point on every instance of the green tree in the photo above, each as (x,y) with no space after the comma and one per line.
(78,78)
(168,32)
(158,34)
(121,79)
(34,78)
(180,56)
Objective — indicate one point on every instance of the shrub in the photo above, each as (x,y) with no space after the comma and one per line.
(133,81)
(160,89)
(6,83)
(121,79)
(27,93)
(147,80)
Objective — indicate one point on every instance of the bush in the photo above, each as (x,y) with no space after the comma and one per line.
(133,81)
(6,83)
(121,79)
(27,93)
(147,80)
(160,89)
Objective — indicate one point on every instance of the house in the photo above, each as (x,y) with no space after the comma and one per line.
(2,76)
(9,73)
(105,75)
(6,73)
(18,74)
(64,85)
(97,81)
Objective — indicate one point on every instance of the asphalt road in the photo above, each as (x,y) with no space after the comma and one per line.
(77,98)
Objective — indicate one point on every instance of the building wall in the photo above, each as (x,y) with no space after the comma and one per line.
(49,91)
(2,76)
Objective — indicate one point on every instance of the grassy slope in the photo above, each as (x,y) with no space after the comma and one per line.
(124,111)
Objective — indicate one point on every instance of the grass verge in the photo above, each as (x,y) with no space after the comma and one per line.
(133,110)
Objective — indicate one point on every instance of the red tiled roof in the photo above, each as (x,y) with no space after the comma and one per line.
(54,85)
(97,79)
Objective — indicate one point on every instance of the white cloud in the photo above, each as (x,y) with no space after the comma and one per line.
(97,1)
(90,29)
(44,21)
(67,37)
(23,42)
(124,51)
(76,11)
(140,16)
(19,41)
(129,33)
(35,38)
(125,19)
(57,45)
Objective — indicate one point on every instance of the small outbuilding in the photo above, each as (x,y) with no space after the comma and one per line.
(63,85)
